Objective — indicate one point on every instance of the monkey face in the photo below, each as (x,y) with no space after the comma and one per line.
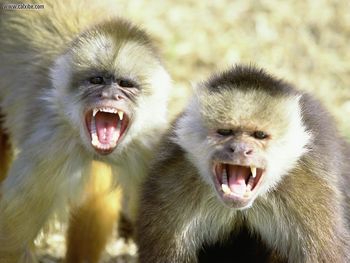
(112,87)
(243,141)
(108,111)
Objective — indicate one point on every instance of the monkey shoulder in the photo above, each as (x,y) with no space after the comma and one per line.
(328,151)
(172,176)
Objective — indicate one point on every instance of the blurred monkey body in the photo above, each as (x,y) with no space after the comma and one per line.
(249,152)
(5,152)
(92,221)
(78,85)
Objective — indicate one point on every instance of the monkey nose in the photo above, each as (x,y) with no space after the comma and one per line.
(117,97)
(241,149)
(108,95)
(248,152)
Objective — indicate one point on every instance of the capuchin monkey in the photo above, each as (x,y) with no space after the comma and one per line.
(249,153)
(76,85)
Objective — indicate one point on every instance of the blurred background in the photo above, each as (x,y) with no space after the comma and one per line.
(303,41)
(307,42)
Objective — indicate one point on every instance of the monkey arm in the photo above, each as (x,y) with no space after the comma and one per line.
(21,208)
(163,228)
(162,235)
(28,196)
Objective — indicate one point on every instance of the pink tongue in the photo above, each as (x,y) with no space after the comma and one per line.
(236,180)
(106,124)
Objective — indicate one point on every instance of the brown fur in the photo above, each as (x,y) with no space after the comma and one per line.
(302,216)
(5,152)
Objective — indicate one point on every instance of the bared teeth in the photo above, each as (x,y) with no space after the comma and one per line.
(224,176)
(226,189)
(109,110)
(224,186)
(250,183)
(253,171)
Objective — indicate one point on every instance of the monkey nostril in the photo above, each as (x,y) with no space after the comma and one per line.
(248,152)
(117,97)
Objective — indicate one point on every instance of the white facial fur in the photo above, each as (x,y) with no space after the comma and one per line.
(285,151)
(192,136)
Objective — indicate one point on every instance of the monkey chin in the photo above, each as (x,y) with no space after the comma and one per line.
(237,184)
(106,126)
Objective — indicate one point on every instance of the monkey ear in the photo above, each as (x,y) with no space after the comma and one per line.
(61,72)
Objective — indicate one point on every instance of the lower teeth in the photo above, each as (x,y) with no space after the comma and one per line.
(224,186)
(250,183)
(226,189)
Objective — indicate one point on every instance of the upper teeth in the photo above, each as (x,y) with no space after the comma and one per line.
(253,171)
(109,110)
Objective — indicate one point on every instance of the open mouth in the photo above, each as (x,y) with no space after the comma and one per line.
(237,183)
(106,127)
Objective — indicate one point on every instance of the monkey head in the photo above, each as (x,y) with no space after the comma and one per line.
(109,86)
(244,131)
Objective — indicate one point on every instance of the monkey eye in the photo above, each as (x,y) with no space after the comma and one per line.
(126,83)
(260,135)
(225,132)
(96,80)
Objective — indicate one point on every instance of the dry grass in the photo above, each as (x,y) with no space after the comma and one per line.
(303,41)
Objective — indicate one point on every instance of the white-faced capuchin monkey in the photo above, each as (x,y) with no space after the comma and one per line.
(250,153)
(76,85)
